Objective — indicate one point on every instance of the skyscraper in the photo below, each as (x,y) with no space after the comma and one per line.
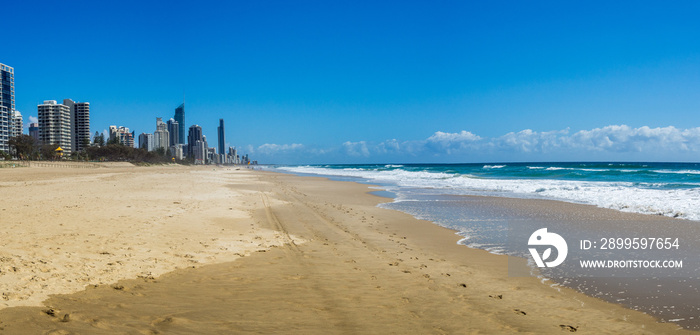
(174,130)
(161,137)
(222,141)
(55,125)
(195,134)
(146,141)
(16,123)
(4,129)
(7,87)
(180,118)
(34,131)
(80,122)
(7,104)
(66,125)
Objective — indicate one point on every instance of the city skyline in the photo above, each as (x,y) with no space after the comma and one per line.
(319,82)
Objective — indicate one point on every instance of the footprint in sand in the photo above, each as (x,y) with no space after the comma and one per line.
(58,332)
(51,312)
(517,311)
(569,328)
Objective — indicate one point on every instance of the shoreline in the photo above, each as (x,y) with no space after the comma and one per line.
(675,300)
(584,213)
(360,268)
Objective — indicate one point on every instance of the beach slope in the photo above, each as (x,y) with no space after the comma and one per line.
(318,257)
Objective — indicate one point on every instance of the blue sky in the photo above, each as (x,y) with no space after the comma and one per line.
(377,81)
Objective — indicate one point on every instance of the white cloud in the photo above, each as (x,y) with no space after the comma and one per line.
(270,149)
(530,141)
(356,148)
(389,146)
(611,139)
(463,136)
(614,142)
(643,139)
(33,119)
(451,142)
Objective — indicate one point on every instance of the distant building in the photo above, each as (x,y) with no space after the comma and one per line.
(34,131)
(146,141)
(66,125)
(222,141)
(80,122)
(177,152)
(161,137)
(174,130)
(231,156)
(212,157)
(194,135)
(199,152)
(7,104)
(180,118)
(4,129)
(55,126)
(122,134)
(16,124)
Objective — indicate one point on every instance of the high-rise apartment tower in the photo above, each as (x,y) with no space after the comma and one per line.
(222,140)
(55,125)
(174,130)
(180,118)
(7,104)
(80,122)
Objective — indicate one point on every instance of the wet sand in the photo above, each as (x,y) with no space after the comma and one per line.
(318,256)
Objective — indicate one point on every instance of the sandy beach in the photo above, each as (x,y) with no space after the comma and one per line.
(181,250)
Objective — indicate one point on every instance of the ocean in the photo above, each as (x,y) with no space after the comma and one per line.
(670,189)
(439,193)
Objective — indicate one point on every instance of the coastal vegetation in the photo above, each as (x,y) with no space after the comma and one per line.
(25,147)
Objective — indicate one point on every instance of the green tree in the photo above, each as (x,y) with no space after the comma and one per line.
(85,143)
(113,140)
(99,139)
(160,151)
(23,146)
(48,151)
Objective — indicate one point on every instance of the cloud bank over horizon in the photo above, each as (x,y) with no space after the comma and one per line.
(609,143)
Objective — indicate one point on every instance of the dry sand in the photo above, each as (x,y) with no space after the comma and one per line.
(332,263)
(64,229)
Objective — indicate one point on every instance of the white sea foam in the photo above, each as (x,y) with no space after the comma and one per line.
(494,166)
(678,171)
(556,168)
(623,196)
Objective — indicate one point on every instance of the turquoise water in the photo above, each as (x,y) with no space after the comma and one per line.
(670,189)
